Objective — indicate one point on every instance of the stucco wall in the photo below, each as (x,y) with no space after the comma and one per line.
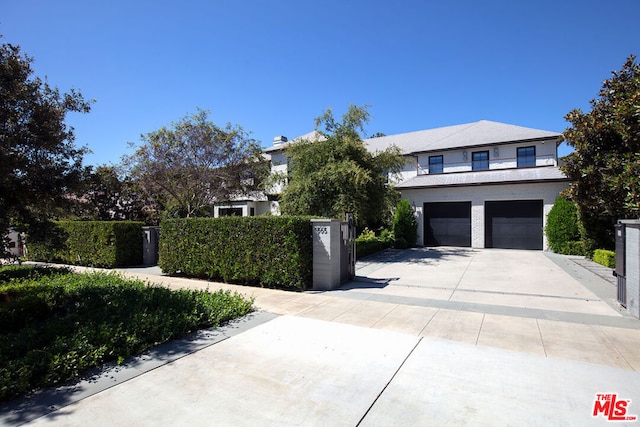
(478,195)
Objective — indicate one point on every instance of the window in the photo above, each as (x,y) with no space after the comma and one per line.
(526,157)
(435,164)
(480,161)
(230,212)
(252,211)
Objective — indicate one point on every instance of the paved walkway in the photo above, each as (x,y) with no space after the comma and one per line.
(424,337)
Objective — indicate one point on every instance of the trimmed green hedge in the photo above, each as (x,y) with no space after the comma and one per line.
(605,257)
(263,251)
(91,243)
(368,246)
(368,243)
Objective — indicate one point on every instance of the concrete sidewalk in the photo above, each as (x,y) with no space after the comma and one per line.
(431,337)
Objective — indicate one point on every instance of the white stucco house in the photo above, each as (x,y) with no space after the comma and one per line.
(482,185)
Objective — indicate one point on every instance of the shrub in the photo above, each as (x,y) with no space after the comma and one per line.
(401,243)
(90,243)
(605,257)
(405,225)
(367,243)
(262,251)
(573,248)
(56,325)
(562,225)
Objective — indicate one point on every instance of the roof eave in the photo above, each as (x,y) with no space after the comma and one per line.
(477,184)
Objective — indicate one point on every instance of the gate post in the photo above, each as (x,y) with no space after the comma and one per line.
(327,250)
(632,265)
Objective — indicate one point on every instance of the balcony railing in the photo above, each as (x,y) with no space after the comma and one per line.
(494,164)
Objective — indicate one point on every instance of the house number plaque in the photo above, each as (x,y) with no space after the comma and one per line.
(322,230)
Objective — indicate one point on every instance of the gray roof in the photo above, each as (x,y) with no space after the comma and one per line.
(495,176)
(473,134)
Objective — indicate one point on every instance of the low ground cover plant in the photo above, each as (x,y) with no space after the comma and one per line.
(55,325)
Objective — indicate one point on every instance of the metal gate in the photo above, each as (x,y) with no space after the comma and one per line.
(620,271)
(349,245)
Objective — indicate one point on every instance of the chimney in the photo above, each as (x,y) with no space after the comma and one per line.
(279,140)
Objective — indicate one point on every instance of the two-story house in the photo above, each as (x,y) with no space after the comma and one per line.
(483,184)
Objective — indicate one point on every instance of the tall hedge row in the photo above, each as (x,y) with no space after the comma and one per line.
(91,243)
(260,251)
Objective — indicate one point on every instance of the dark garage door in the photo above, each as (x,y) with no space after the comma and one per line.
(513,224)
(447,224)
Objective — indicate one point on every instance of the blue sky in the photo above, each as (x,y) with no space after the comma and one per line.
(272,66)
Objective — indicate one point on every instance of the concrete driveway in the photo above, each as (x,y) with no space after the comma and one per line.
(427,336)
(508,278)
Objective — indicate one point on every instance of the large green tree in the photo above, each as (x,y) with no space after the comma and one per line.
(109,194)
(194,163)
(605,166)
(39,163)
(335,173)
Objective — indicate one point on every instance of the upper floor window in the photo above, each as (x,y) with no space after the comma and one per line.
(480,161)
(435,164)
(526,157)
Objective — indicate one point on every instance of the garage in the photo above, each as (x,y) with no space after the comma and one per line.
(447,224)
(514,224)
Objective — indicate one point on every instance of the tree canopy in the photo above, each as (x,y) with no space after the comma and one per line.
(108,194)
(605,166)
(335,173)
(194,163)
(39,163)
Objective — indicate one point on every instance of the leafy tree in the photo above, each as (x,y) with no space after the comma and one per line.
(605,166)
(562,226)
(405,225)
(377,135)
(335,174)
(39,163)
(194,163)
(107,194)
